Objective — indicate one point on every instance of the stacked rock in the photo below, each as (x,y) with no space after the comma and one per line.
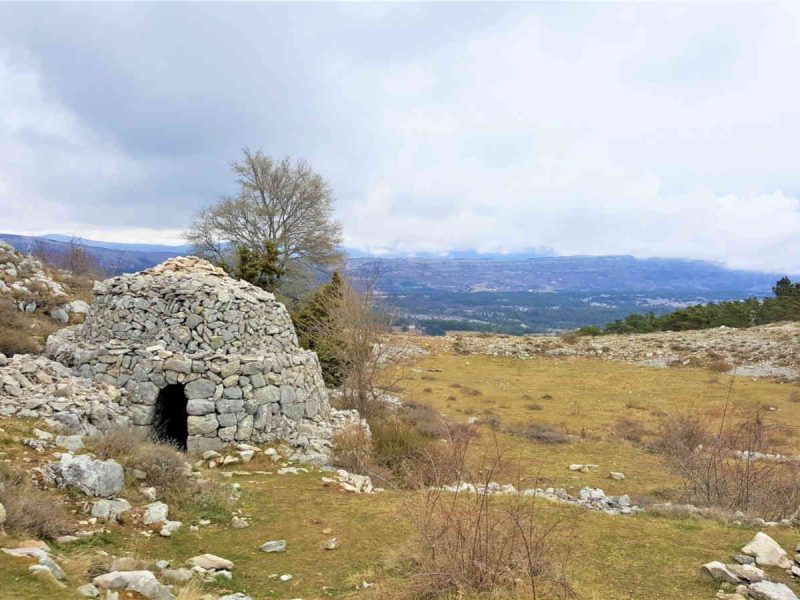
(183,336)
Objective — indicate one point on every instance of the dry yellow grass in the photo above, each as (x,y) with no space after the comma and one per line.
(645,557)
(599,403)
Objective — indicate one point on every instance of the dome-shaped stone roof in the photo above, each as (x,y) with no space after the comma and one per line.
(188,305)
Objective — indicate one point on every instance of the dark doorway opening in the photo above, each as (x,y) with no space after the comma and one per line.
(170,420)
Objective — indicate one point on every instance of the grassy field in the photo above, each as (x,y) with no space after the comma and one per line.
(613,557)
(611,409)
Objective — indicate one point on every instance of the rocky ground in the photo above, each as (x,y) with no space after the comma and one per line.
(764,351)
(107,498)
(33,287)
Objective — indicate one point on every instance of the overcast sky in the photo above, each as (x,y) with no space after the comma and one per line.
(644,129)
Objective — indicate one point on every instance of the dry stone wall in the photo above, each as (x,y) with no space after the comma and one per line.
(38,388)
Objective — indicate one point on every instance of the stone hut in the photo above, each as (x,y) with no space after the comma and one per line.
(206,359)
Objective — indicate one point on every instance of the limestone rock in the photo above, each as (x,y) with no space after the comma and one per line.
(157,512)
(177,576)
(210,561)
(767,590)
(110,510)
(274,546)
(169,528)
(718,572)
(88,591)
(141,582)
(60,315)
(99,478)
(749,573)
(331,544)
(767,552)
(72,443)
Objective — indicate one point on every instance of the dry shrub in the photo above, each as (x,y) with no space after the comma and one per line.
(794,396)
(194,590)
(395,442)
(716,475)
(165,466)
(533,406)
(635,405)
(538,433)
(631,430)
(470,544)
(441,462)
(16,331)
(166,469)
(719,366)
(492,422)
(405,446)
(352,449)
(87,563)
(471,391)
(426,420)
(570,337)
(30,510)
(120,443)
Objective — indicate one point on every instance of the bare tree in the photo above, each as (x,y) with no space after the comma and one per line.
(348,329)
(282,202)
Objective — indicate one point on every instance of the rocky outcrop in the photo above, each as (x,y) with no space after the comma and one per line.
(25,281)
(764,351)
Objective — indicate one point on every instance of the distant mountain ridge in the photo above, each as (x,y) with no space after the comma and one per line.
(563,273)
(57,237)
(124,258)
(467,271)
(504,293)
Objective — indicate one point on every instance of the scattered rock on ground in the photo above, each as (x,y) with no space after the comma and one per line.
(718,572)
(141,582)
(767,552)
(99,478)
(331,544)
(157,512)
(110,510)
(88,591)
(209,561)
(274,546)
(768,590)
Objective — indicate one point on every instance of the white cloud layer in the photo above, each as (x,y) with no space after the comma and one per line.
(652,130)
